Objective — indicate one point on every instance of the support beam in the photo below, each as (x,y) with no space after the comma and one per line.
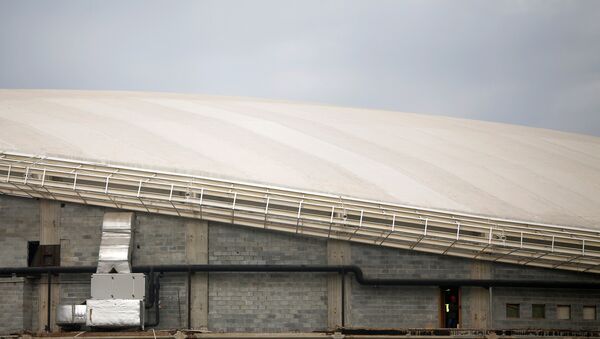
(475,301)
(196,250)
(338,290)
(49,235)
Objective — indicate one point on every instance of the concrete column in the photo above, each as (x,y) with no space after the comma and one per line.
(475,301)
(338,253)
(49,235)
(196,250)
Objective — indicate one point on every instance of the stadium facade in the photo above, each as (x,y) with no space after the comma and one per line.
(261,216)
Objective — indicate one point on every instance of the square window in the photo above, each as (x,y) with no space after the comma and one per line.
(538,311)
(589,312)
(563,312)
(513,311)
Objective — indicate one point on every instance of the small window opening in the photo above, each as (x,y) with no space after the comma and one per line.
(538,311)
(589,312)
(563,312)
(513,311)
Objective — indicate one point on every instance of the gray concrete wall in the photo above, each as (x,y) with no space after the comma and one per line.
(15,305)
(19,223)
(160,240)
(391,306)
(388,306)
(526,297)
(273,302)
(265,302)
(79,233)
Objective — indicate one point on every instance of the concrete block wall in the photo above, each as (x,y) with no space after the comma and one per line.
(393,307)
(389,306)
(19,223)
(399,306)
(15,305)
(75,288)
(160,240)
(32,306)
(273,302)
(79,233)
(265,302)
(507,271)
(526,297)
(173,302)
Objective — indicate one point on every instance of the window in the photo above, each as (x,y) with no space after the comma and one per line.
(513,311)
(563,312)
(538,311)
(589,312)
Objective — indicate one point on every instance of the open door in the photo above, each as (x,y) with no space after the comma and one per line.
(449,307)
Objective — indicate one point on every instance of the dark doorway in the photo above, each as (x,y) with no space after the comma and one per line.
(450,307)
(32,250)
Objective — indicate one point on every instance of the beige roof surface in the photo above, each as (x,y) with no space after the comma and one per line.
(449,164)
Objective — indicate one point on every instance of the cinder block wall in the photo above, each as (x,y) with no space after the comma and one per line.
(268,302)
(19,223)
(391,306)
(399,306)
(526,297)
(265,302)
(15,305)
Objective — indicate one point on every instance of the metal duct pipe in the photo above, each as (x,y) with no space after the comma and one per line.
(117,295)
(115,245)
(357,271)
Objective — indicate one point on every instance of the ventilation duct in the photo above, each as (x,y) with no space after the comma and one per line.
(115,246)
(117,295)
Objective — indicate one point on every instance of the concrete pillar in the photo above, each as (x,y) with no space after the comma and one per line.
(475,301)
(338,253)
(196,250)
(49,235)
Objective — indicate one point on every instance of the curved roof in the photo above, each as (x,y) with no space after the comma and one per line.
(443,163)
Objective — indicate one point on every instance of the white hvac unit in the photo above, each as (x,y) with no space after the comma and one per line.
(117,294)
(118,286)
(117,299)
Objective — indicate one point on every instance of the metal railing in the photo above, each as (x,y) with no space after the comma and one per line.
(300,212)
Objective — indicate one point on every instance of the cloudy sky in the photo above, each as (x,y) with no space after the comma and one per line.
(534,62)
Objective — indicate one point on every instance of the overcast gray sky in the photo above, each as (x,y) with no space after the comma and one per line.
(534,63)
